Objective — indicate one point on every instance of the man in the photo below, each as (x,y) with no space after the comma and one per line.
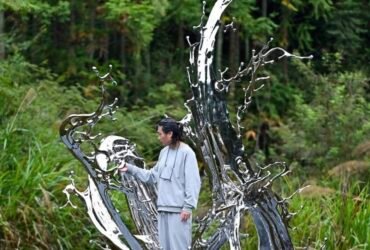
(178,183)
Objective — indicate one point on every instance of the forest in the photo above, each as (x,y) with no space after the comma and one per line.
(312,114)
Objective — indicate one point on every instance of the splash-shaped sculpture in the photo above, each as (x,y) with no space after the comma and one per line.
(237,187)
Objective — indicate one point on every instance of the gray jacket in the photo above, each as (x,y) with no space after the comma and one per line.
(177,177)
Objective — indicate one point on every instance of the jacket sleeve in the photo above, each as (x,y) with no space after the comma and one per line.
(145,175)
(192,182)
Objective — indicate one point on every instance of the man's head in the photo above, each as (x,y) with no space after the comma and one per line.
(169,131)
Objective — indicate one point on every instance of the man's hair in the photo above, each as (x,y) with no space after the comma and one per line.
(171,125)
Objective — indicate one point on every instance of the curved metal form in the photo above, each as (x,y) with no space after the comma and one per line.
(237,186)
(101,166)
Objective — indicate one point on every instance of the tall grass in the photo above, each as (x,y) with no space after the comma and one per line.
(343,219)
(34,165)
(338,221)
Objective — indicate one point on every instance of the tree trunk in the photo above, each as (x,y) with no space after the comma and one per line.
(234,57)
(138,72)
(122,51)
(147,64)
(2,34)
(72,40)
(91,46)
(264,8)
(234,51)
(285,38)
(34,30)
(106,40)
(247,49)
(219,41)
(180,41)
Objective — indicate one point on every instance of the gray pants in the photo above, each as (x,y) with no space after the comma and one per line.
(174,234)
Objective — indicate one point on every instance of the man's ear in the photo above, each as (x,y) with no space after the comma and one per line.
(170,133)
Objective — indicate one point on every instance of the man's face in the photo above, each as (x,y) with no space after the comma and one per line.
(164,138)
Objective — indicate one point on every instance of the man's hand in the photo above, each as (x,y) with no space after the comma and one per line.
(185,215)
(122,167)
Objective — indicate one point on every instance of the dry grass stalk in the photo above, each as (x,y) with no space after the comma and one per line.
(349,168)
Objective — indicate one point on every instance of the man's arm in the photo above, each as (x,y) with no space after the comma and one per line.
(145,175)
(192,182)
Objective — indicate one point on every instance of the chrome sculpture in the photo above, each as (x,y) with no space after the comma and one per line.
(237,186)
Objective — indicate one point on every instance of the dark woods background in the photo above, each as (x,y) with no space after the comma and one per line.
(312,114)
